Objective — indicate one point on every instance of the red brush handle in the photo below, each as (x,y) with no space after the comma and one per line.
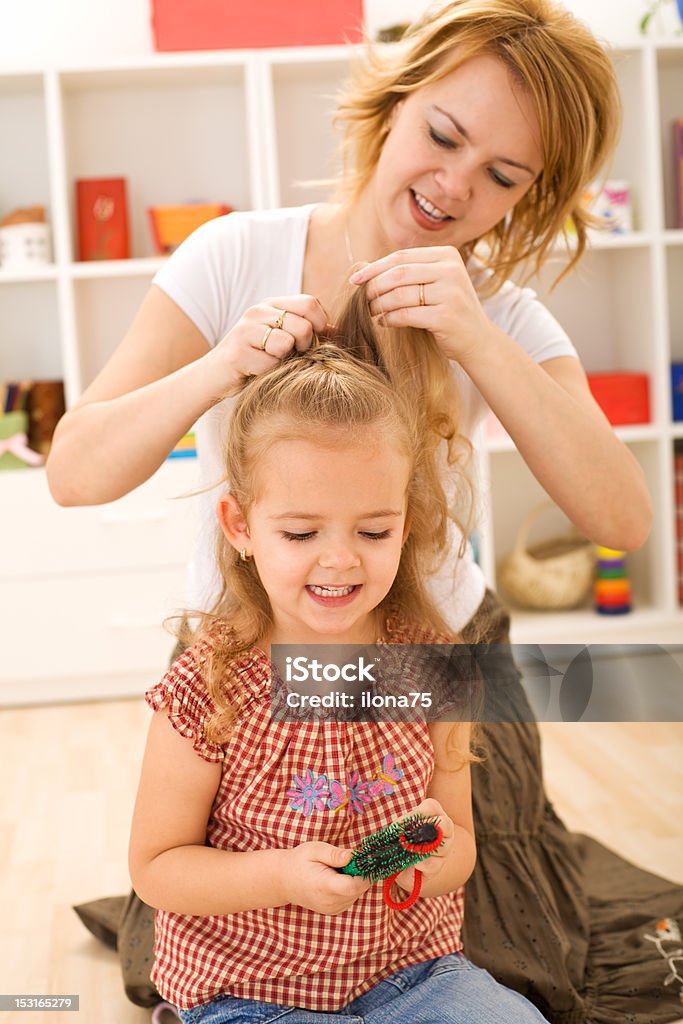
(386,891)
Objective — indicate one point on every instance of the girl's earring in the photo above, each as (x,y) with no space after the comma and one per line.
(244,556)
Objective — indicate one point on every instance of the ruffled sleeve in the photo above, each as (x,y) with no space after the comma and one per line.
(183,693)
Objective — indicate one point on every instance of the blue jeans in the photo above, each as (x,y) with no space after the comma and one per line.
(448,990)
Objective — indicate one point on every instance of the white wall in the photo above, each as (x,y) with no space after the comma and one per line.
(38,33)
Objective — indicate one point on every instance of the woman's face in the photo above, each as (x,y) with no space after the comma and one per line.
(459,154)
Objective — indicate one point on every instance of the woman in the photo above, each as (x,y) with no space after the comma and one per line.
(482,130)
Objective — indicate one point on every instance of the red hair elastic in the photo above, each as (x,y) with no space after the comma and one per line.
(385,854)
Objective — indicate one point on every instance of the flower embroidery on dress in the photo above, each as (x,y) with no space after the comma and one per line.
(308,794)
(354,798)
(315,793)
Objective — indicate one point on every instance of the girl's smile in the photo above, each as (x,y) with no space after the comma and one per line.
(334,597)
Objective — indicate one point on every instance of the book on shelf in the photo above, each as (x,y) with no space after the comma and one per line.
(42,402)
(678,511)
(678,169)
(102,219)
(46,407)
(14,395)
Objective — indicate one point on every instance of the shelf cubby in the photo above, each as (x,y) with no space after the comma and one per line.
(176,134)
(30,343)
(102,310)
(670,95)
(24,173)
(304,95)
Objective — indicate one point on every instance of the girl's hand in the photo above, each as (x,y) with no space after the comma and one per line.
(432,865)
(266,333)
(314,882)
(430,288)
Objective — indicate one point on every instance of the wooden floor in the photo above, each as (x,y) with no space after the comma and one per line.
(69,780)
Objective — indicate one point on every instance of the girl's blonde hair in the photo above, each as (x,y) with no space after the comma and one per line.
(548,52)
(337,398)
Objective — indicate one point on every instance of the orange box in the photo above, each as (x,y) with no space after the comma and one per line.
(172,224)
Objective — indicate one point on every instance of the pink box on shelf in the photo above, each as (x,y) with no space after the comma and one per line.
(217,25)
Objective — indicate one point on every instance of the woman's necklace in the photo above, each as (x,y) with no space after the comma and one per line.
(347,239)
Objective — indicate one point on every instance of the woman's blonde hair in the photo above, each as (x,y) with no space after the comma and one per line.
(336,398)
(549,53)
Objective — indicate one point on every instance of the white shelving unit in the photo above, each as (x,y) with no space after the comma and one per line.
(247,128)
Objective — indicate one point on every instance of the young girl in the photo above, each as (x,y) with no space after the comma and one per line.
(334,519)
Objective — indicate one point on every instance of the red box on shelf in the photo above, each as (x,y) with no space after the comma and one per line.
(102,216)
(623,397)
(217,25)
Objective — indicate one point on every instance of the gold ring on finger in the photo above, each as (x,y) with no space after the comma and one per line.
(264,342)
(422,294)
(280,319)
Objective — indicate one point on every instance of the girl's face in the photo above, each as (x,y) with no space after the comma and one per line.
(326,533)
(460,153)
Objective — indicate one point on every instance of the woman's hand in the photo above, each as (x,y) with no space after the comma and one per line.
(314,883)
(546,408)
(429,288)
(432,865)
(163,376)
(266,333)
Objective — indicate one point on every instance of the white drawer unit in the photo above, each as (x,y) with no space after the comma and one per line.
(152,526)
(84,592)
(88,624)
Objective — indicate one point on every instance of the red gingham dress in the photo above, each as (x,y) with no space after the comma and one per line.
(277,784)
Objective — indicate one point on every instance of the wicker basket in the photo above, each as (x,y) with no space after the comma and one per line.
(555,574)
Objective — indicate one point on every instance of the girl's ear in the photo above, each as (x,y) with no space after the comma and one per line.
(233,524)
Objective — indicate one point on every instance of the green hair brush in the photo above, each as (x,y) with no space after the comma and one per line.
(384,854)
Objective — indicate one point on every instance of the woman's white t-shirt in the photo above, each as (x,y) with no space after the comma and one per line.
(239,260)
